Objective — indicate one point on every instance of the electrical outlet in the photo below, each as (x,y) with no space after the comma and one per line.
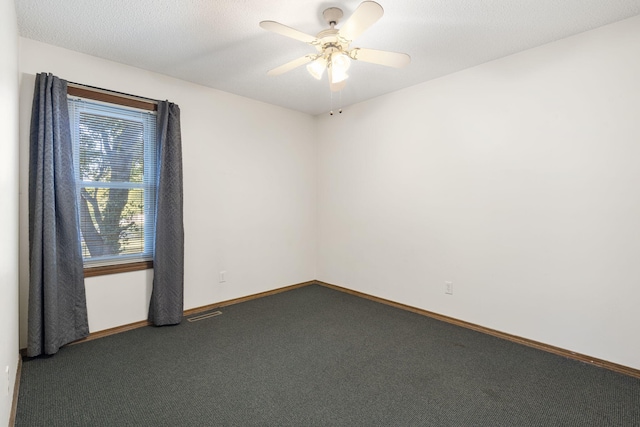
(222,277)
(448,288)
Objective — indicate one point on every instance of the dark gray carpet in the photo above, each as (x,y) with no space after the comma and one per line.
(315,356)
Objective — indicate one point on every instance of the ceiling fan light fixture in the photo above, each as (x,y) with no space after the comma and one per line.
(333,50)
(340,63)
(316,68)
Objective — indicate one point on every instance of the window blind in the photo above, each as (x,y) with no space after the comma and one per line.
(115,167)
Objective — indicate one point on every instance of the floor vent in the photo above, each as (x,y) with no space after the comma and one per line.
(204,316)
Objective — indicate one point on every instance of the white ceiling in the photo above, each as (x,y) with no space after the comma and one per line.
(218,43)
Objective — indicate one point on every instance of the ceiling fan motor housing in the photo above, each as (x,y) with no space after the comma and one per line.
(330,42)
(332,15)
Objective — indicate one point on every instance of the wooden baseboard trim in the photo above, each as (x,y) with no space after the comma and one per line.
(245,299)
(626,370)
(16,393)
(621,369)
(112,331)
(189,312)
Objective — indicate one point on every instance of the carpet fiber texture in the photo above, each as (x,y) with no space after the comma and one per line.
(314,356)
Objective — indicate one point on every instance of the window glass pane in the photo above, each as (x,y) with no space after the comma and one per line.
(112,221)
(111,149)
(114,149)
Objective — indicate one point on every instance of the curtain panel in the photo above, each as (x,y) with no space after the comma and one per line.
(57,304)
(167,296)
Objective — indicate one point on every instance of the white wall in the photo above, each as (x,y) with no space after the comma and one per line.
(517,180)
(9,212)
(249,188)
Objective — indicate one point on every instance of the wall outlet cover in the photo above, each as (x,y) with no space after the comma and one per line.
(448,288)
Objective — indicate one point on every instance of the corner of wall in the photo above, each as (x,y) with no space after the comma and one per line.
(9,355)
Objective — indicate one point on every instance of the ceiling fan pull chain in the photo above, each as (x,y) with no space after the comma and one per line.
(339,103)
(331,104)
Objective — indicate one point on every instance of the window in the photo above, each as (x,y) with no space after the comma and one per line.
(114,158)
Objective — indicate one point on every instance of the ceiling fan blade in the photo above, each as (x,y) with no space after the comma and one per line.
(281,29)
(291,65)
(362,18)
(381,57)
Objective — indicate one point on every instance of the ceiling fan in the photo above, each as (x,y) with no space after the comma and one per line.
(332,45)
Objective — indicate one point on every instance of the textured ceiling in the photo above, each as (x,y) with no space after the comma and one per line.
(218,43)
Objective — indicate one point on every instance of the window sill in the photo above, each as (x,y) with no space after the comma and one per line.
(117,268)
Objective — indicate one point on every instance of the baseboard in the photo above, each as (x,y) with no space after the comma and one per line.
(112,331)
(621,369)
(247,298)
(189,312)
(16,393)
(626,370)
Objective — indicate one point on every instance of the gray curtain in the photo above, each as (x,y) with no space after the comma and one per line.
(167,295)
(57,304)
